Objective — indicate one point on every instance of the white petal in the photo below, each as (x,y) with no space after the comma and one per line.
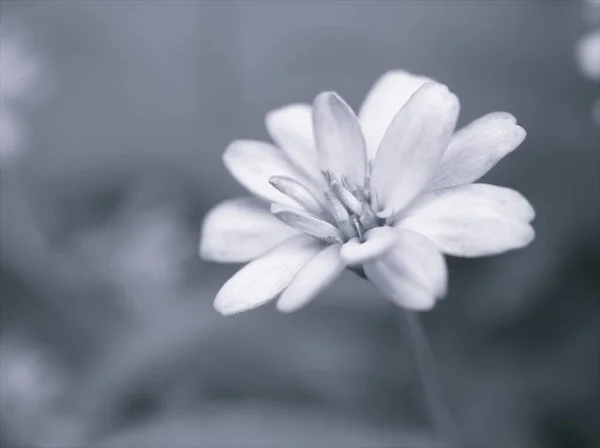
(472,220)
(313,278)
(413,146)
(263,279)
(339,139)
(292,129)
(413,273)
(588,54)
(387,96)
(240,230)
(378,241)
(476,148)
(252,163)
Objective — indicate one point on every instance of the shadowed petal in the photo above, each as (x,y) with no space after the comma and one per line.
(292,129)
(476,148)
(339,139)
(252,163)
(378,241)
(472,220)
(313,278)
(240,230)
(263,279)
(413,146)
(387,96)
(412,273)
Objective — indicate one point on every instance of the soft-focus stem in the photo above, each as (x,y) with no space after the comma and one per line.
(428,375)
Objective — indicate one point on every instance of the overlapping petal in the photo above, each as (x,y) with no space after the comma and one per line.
(412,273)
(263,279)
(387,96)
(472,220)
(413,146)
(313,278)
(240,230)
(339,139)
(291,128)
(476,148)
(252,163)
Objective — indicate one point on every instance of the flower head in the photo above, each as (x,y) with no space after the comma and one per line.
(384,194)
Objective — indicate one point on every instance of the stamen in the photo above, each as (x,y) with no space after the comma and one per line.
(348,199)
(298,193)
(340,214)
(305,222)
(358,227)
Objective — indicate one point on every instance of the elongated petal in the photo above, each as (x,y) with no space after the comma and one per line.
(313,278)
(240,230)
(412,273)
(472,220)
(387,96)
(252,163)
(339,139)
(264,278)
(305,222)
(292,130)
(476,148)
(413,146)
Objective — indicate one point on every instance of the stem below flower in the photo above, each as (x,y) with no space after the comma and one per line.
(432,387)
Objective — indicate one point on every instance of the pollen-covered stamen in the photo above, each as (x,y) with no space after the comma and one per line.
(340,215)
(305,222)
(298,193)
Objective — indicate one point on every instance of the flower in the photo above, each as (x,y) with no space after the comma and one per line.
(384,194)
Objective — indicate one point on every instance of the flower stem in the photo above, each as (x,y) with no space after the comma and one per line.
(430,382)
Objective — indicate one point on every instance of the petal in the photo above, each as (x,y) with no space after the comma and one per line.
(339,139)
(252,163)
(476,148)
(292,130)
(413,145)
(413,273)
(240,230)
(313,278)
(387,96)
(303,221)
(472,220)
(378,241)
(264,278)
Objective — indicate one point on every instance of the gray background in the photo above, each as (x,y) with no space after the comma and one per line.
(145,97)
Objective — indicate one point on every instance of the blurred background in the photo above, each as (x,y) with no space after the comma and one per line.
(114,118)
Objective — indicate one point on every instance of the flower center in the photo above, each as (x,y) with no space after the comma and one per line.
(344,212)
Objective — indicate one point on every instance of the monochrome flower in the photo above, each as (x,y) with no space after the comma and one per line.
(384,194)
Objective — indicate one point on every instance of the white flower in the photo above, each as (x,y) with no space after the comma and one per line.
(384,193)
